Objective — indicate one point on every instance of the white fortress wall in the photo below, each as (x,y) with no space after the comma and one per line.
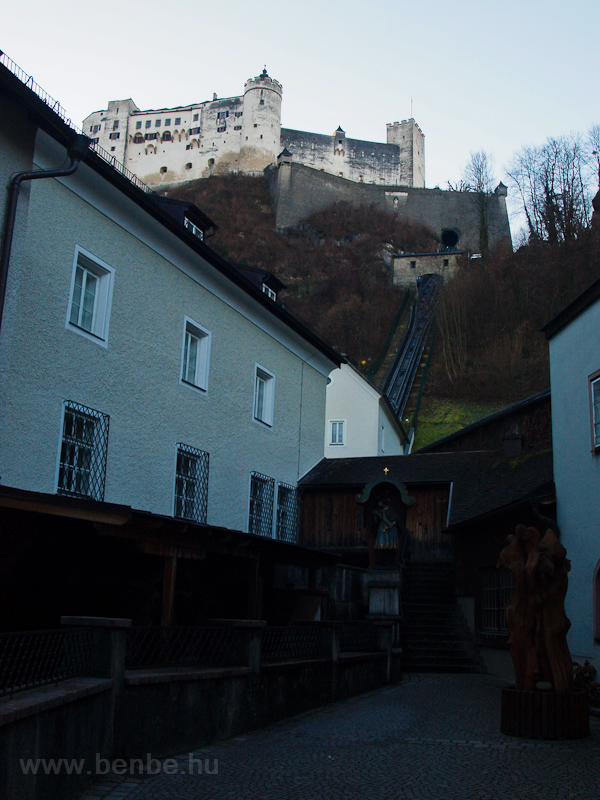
(244,135)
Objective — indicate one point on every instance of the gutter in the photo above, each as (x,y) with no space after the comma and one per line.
(77,151)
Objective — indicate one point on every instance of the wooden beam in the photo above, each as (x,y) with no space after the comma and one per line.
(169,588)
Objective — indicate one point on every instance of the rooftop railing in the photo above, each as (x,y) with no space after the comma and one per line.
(54,105)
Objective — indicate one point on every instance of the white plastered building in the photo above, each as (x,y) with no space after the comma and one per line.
(360,420)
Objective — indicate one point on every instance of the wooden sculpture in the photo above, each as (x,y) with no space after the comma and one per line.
(535,615)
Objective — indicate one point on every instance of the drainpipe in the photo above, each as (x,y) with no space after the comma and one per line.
(76,152)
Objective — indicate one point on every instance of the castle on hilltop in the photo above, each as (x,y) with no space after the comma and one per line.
(243,135)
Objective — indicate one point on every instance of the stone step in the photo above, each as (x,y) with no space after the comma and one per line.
(434,647)
(416,667)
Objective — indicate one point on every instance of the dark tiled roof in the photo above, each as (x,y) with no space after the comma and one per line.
(573,310)
(482,481)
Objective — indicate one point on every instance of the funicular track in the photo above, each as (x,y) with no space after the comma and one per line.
(400,378)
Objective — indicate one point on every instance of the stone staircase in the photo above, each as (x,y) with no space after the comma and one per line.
(435,636)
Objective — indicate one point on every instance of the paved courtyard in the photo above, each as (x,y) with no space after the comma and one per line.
(431,736)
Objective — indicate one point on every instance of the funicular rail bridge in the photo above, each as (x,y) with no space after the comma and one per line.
(401,376)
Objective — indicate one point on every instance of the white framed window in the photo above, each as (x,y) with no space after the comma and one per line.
(90,297)
(83,451)
(195,355)
(594,384)
(337,431)
(264,393)
(260,506)
(287,513)
(191,483)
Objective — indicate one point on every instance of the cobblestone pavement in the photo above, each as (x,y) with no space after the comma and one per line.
(431,737)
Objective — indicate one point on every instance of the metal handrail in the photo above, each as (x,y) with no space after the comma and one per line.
(54,105)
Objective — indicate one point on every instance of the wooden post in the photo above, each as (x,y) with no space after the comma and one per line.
(169,588)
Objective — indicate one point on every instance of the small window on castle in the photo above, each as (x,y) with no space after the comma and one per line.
(413,264)
(148,123)
(211,161)
(221,130)
(261,136)
(157,123)
(195,117)
(262,102)
(150,136)
(138,125)
(188,165)
(246,138)
(177,120)
(446,262)
(90,128)
(188,147)
(194,131)
(112,149)
(163,170)
(255,125)
(115,124)
(166,136)
(237,127)
(114,136)
(239,113)
(168,121)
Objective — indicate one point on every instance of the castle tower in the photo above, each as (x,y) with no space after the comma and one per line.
(110,128)
(261,126)
(409,138)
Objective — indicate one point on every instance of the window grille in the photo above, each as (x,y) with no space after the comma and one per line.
(497,587)
(191,483)
(287,512)
(260,517)
(82,468)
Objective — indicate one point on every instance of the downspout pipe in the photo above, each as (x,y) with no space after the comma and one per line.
(76,153)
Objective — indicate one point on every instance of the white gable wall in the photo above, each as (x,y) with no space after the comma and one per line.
(367,422)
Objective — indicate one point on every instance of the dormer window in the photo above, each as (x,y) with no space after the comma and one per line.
(269,292)
(193,228)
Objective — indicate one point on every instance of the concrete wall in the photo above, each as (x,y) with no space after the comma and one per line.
(407,268)
(369,430)
(574,355)
(134,376)
(69,721)
(84,723)
(298,192)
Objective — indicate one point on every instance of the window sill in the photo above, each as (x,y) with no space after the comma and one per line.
(195,386)
(263,424)
(87,334)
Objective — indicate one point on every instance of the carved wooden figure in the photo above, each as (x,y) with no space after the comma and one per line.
(535,615)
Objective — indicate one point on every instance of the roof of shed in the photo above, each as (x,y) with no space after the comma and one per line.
(482,481)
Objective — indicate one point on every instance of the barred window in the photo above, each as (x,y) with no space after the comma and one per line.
(191,483)
(496,589)
(260,514)
(287,512)
(84,444)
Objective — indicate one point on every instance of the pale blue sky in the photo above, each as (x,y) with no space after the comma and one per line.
(492,76)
